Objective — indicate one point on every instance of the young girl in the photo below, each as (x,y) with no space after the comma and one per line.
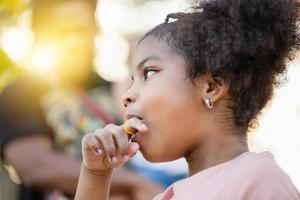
(199,83)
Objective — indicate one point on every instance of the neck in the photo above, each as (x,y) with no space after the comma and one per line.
(216,151)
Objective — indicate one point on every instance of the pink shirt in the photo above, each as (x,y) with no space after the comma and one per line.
(250,176)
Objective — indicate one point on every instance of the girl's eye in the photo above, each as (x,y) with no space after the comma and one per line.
(148,73)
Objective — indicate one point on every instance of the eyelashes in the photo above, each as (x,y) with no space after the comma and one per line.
(148,72)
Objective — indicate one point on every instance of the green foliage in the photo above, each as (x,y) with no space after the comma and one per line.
(8,70)
(5,62)
(11,7)
(9,12)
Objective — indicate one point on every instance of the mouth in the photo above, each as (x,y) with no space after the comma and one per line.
(129,116)
(135,137)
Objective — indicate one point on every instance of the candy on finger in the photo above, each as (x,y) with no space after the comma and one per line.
(127,130)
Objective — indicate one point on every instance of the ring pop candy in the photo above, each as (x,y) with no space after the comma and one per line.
(127,129)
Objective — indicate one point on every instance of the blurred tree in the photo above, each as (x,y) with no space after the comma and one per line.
(8,70)
(10,11)
(12,6)
(5,62)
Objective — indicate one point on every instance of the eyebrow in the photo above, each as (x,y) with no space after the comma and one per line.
(139,66)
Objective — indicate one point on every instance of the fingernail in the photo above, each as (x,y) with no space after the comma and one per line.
(99,152)
(125,158)
(143,126)
(114,160)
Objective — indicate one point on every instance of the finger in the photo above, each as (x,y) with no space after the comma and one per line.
(133,149)
(90,142)
(115,162)
(118,161)
(106,138)
(121,140)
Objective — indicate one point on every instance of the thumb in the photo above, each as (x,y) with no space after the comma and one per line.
(133,148)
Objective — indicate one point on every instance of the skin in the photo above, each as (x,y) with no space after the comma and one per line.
(167,111)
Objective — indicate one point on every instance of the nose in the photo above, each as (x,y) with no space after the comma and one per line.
(129,97)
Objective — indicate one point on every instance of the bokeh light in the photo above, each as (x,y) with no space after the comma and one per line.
(111,58)
(17,42)
(43,58)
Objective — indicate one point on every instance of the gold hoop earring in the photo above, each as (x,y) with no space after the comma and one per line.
(209,104)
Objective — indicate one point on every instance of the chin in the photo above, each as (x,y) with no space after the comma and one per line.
(155,157)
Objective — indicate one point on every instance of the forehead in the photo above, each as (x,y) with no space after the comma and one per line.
(154,47)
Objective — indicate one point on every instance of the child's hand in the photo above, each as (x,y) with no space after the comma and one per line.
(109,147)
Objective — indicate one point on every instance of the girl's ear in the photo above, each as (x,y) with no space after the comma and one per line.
(213,89)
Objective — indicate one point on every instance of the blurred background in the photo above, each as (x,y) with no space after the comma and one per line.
(120,21)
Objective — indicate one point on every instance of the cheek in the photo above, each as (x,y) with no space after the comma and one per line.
(162,105)
(171,114)
(171,105)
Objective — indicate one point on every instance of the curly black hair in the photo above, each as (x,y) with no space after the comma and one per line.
(245,42)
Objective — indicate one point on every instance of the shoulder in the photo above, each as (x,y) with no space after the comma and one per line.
(259,177)
(249,176)
(259,165)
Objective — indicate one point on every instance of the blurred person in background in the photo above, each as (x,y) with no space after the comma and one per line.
(44,116)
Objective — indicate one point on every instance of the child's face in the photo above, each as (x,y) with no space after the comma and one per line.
(166,100)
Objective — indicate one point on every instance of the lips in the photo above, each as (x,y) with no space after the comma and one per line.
(128,116)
